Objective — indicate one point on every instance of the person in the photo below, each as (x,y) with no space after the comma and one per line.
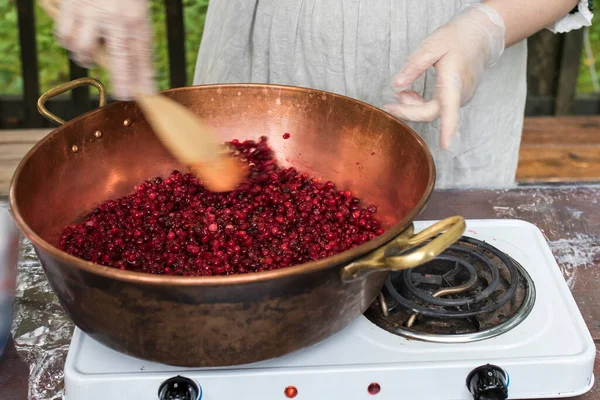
(454,70)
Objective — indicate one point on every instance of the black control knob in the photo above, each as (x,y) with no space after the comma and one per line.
(179,388)
(488,382)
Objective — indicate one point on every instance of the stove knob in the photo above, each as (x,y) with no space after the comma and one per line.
(179,388)
(488,382)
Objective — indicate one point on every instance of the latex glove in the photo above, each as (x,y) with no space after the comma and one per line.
(123,27)
(459,51)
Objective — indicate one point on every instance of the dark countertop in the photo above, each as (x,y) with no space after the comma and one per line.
(569,217)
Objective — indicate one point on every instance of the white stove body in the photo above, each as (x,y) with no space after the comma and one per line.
(548,355)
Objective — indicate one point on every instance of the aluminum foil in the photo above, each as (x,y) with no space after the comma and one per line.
(41,330)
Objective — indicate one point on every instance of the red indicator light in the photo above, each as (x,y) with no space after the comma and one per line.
(290,392)
(374,388)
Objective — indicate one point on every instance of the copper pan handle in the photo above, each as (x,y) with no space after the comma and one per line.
(397,254)
(65,87)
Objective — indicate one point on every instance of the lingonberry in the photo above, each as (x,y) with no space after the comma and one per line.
(174,226)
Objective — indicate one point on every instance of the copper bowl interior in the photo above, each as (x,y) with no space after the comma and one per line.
(355,145)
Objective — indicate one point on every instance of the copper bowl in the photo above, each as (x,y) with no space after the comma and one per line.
(237,319)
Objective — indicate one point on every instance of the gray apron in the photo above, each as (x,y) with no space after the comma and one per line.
(355,48)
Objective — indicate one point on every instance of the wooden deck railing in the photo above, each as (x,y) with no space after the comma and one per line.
(21,111)
(553,68)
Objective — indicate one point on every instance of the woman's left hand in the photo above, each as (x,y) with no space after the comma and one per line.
(459,51)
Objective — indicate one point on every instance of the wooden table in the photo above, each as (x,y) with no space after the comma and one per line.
(553,149)
(569,216)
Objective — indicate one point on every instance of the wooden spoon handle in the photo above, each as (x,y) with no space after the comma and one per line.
(180,130)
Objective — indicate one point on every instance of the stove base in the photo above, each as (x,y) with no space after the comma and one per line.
(415,381)
(550,354)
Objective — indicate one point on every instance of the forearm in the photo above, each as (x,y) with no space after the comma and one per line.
(524,18)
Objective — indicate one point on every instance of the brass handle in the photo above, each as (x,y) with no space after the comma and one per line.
(395,255)
(65,87)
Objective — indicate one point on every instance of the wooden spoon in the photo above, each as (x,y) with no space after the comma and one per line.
(193,142)
(181,131)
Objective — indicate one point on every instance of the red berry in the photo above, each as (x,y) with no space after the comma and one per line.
(278,218)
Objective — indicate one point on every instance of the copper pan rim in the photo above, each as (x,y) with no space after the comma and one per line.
(237,279)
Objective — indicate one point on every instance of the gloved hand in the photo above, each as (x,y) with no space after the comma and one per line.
(459,51)
(123,27)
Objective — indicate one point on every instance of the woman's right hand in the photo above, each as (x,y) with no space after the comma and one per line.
(122,28)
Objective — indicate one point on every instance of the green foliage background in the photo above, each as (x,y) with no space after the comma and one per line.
(53,62)
(584,85)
